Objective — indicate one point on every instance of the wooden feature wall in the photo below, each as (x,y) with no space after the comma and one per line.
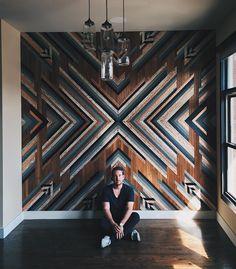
(156,118)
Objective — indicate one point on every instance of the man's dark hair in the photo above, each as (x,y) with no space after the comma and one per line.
(117,168)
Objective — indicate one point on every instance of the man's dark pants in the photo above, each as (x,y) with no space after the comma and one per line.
(107,228)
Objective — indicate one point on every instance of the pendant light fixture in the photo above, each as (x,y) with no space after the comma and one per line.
(107,65)
(107,49)
(107,34)
(123,45)
(89,33)
(112,48)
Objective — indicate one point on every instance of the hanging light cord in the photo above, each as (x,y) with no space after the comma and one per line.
(106,11)
(89,9)
(123,16)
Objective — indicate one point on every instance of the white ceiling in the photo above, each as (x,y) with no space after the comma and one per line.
(141,15)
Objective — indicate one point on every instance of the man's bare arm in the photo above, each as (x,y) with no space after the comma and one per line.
(107,213)
(130,206)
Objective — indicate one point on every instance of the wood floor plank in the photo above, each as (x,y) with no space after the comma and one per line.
(74,244)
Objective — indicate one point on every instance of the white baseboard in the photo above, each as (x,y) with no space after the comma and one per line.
(226,228)
(177,214)
(89,214)
(11,226)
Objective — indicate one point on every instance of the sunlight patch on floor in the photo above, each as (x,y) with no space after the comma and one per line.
(193,243)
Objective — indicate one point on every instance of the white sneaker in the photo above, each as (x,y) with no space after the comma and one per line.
(106,241)
(135,236)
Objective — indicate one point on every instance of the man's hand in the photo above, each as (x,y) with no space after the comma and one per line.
(119,231)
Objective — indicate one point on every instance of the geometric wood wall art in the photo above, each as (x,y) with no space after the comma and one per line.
(156,118)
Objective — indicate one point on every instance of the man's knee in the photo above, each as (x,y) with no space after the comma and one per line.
(104,223)
(136,216)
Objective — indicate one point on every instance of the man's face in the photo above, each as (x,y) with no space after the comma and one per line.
(118,177)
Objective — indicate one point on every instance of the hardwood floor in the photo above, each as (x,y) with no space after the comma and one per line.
(74,244)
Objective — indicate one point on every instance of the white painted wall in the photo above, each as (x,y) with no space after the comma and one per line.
(10,125)
(226,28)
(225,215)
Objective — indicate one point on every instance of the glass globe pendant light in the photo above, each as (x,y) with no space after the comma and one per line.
(107,65)
(107,49)
(123,45)
(107,34)
(89,33)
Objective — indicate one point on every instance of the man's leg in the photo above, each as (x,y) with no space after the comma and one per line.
(106,227)
(107,230)
(130,224)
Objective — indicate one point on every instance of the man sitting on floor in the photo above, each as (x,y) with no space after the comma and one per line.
(118,201)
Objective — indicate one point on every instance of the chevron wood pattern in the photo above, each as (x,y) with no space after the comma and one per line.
(156,118)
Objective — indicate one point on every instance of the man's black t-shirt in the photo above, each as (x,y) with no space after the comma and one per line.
(118,205)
